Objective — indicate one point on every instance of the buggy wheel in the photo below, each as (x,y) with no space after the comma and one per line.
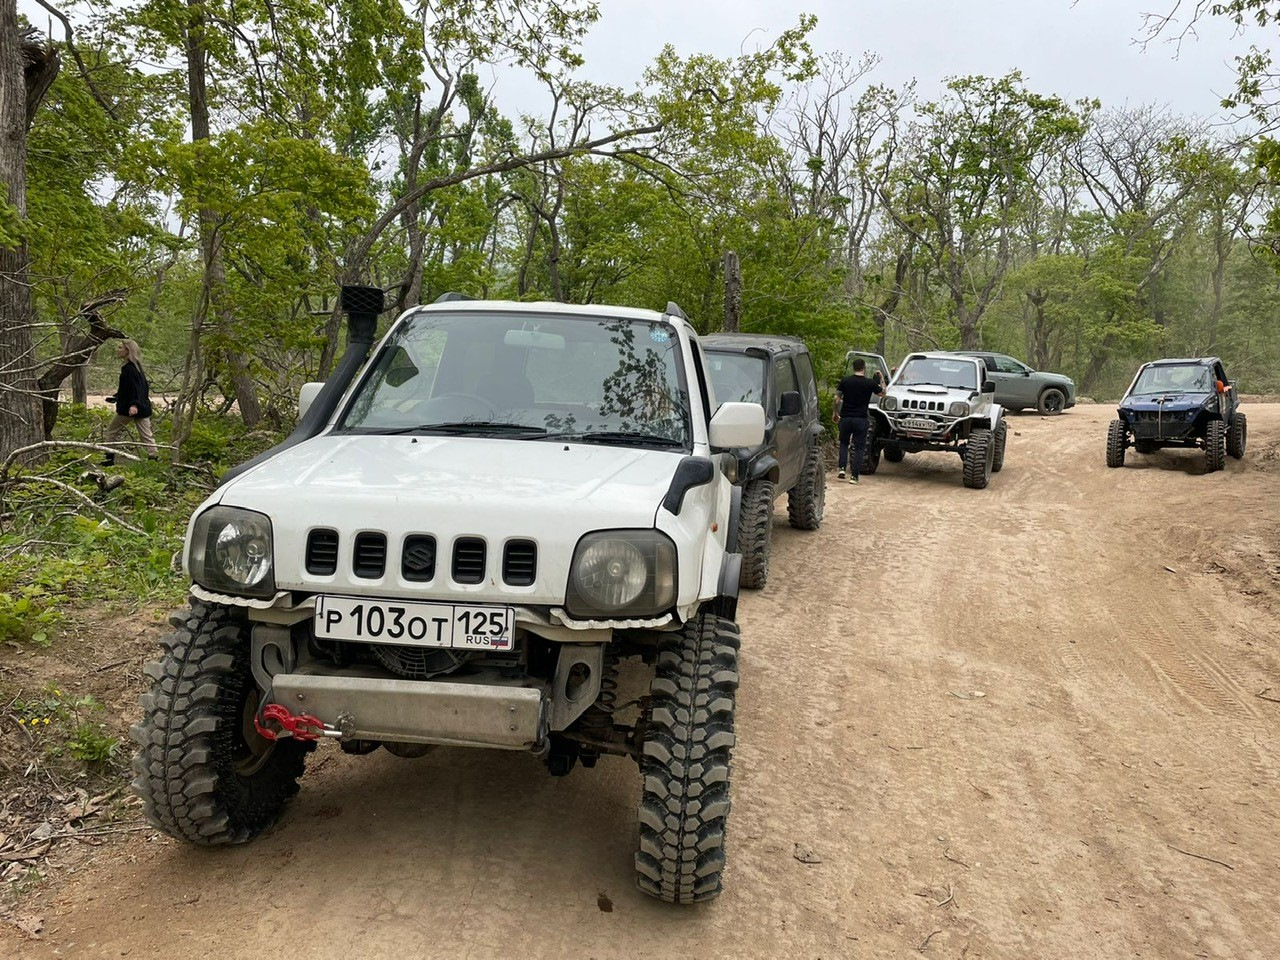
(205,775)
(684,803)
(807,500)
(1002,438)
(1052,402)
(1215,454)
(979,457)
(1237,436)
(1117,440)
(755,537)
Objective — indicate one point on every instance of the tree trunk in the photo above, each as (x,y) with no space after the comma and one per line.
(24,76)
(732,292)
(77,348)
(210,243)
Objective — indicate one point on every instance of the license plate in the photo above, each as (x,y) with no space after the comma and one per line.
(916,425)
(465,626)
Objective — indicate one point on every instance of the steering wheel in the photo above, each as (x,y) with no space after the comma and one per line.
(448,407)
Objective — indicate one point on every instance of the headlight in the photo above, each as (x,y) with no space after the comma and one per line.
(622,573)
(231,552)
(889,403)
(958,409)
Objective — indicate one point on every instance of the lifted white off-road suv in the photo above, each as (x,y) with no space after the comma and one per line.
(456,546)
(940,401)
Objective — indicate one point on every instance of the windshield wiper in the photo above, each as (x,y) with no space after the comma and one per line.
(463,427)
(618,437)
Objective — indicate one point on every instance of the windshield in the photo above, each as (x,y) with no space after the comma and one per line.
(523,376)
(956,374)
(1173,378)
(736,377)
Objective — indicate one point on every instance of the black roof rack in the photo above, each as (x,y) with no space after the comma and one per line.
(452,295)
(673,309)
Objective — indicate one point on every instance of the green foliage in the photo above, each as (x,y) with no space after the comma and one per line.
(28,615)
(63,726)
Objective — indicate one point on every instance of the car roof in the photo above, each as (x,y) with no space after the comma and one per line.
(740,342)
(941,355)
(1183,361)
(550,308)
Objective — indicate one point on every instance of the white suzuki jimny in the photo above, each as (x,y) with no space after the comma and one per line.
(456,546)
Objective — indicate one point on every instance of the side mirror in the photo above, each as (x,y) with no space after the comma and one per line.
(790,404)
(737,425)
(1026,373)
(306,396)
(988,386)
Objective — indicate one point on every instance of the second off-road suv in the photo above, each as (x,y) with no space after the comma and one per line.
(456,546)
(940,401)
(776,373)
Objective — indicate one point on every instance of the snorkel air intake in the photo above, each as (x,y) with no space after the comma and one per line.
(362,305)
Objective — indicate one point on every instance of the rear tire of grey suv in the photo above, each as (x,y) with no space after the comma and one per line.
(806,501)
(684,803)
(755,537)
(1052,402)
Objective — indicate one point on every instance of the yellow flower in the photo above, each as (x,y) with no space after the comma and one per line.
(22,722)
(46,720)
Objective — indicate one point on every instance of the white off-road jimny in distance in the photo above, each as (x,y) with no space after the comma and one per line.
(456,547)
(940,401)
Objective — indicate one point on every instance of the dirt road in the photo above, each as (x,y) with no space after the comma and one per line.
(1021,722)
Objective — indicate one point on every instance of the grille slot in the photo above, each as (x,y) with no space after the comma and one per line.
(370,560)
(418,558)
(520,563)
(322,552)
(468,560)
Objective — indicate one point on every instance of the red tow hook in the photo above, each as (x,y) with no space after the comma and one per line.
(301,726)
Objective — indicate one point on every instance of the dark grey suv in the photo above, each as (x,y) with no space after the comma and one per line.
(1018,387)
(775,372)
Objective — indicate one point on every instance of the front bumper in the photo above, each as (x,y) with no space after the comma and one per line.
(419,711)
(1174,425)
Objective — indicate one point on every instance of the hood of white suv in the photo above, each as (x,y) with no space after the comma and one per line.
(449,487)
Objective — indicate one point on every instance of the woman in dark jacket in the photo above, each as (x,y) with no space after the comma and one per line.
(133,405)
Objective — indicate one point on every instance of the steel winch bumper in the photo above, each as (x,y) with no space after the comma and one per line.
(419,711)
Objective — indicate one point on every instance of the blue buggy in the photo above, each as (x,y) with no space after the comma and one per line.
(1180,403)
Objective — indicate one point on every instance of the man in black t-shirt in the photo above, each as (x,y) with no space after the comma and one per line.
(853,396)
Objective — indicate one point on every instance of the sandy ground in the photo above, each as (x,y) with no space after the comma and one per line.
(1020,722)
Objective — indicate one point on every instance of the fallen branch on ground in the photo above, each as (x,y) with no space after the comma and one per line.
(1199,857)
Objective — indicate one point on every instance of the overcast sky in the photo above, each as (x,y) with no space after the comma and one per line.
(1081,49)
(1085,49)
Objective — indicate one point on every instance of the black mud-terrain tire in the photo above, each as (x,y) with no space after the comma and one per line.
(1052,402)
(895,454)
(1237,436)
(1001,440)
(979,458)
(684,803)
(204,775)
(1215,441)
(755,533)
(1115,443)
(870,456)
(807,500)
